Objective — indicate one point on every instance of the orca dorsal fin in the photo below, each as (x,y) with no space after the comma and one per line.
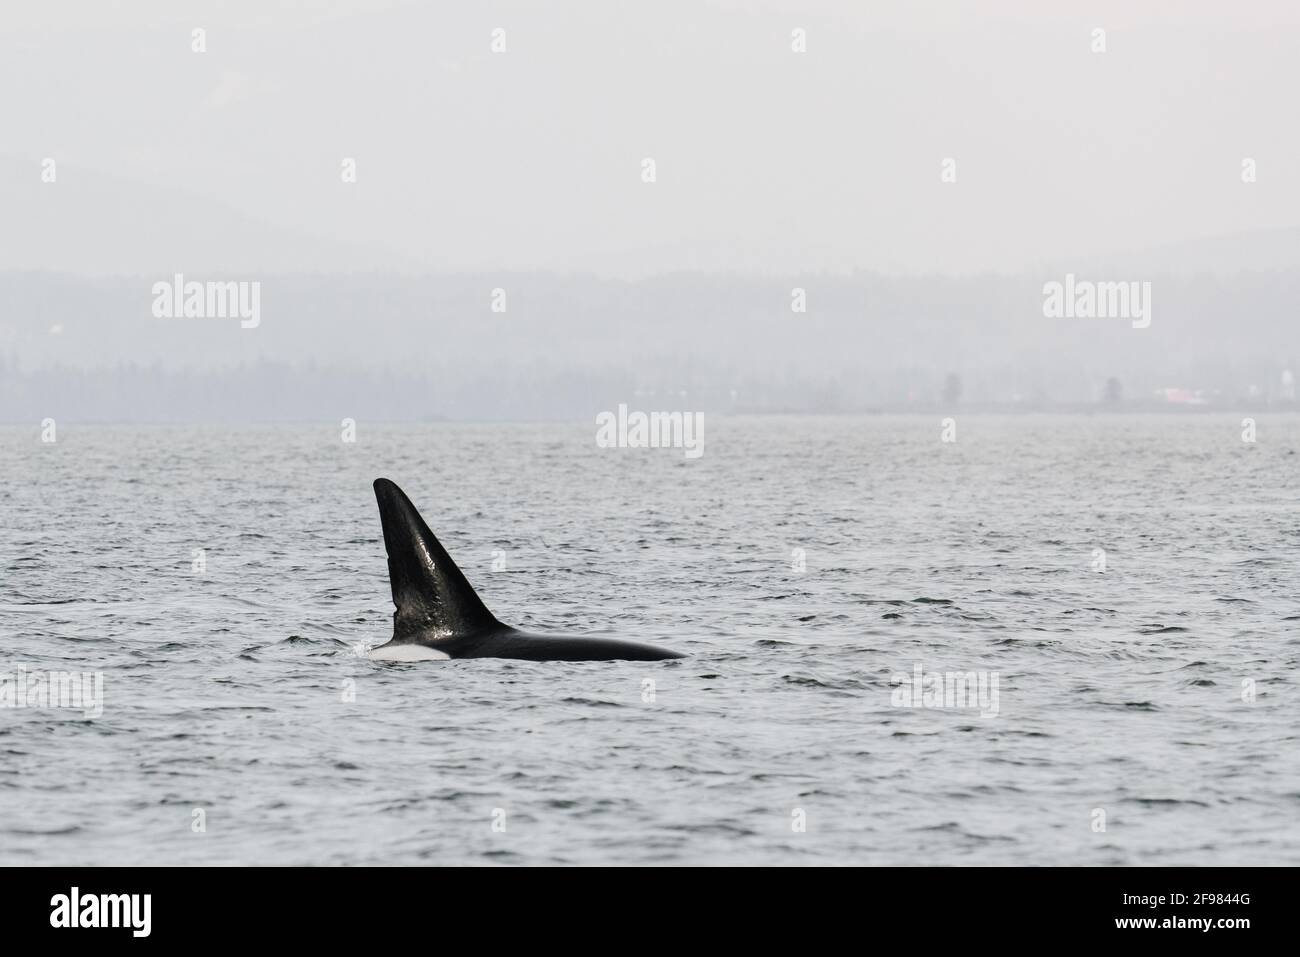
(432,597)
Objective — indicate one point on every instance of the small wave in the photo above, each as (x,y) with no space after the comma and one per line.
(593,702)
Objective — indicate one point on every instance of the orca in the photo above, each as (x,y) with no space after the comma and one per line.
(440,616)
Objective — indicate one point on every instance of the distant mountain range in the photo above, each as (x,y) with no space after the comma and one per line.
(1224,255)
(425,346)
(91,224)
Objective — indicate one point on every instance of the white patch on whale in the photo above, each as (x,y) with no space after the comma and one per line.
(407,653)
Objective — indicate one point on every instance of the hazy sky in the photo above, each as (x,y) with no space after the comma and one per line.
(767,160)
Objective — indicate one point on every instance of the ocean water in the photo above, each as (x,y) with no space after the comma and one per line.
(1146,711)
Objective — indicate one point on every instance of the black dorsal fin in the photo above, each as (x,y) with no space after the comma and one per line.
(432,597)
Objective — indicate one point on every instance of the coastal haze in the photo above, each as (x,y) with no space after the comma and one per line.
(454,202)
(923,284)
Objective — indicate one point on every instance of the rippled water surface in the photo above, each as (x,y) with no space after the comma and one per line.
(242,690)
